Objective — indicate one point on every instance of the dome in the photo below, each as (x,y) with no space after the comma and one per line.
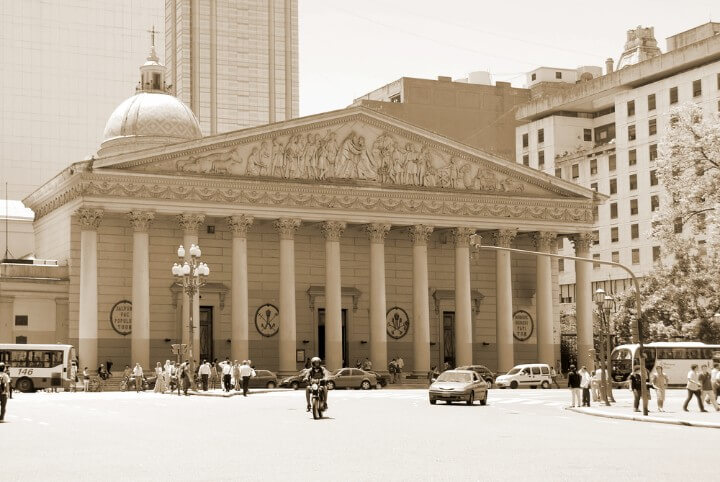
(148,119)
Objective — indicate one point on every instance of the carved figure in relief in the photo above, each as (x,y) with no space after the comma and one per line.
(214,162)
(511,185)
(383,150)
(487,181)
(410,164)
(301,169)
(277,157)
(353,160)
(327,153)
(291,157)
(310,156)
(424,160)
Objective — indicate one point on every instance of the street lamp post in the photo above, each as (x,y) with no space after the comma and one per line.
(603,306)
(608,304)
(191,274)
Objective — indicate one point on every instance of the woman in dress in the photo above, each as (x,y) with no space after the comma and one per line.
(159,379)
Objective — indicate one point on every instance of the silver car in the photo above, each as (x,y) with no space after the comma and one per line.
(459,386)
(352,378)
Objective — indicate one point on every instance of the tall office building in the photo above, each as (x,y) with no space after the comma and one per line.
(234,62)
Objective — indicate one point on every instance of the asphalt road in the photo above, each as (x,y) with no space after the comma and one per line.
(390,434)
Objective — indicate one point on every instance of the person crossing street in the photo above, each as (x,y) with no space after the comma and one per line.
(4,390)
(246,373)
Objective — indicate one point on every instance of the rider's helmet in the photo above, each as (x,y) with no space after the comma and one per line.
(316,362)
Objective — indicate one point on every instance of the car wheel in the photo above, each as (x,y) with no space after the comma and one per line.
(25,385)
(433,401)
(331,385)
(513,384)
(471,398)
(295,385)
(271,384)
(484,399)
(365,385)
(545,384)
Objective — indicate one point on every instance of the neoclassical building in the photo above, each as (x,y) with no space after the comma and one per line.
(346,234)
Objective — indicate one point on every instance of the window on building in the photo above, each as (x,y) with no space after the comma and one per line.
(533,76)
(596,213)
(541,159)
(697,88)
(651,102)
(561,265)
(652,152)
(594,186)
(558,75)
(652,127)
(614,235)
(587,134)
(613,211)
(593,166)
(653,178)
(21,320)
(21,340)
(654,203)
(636,256)
(541,136)
(633,207)
(678,226)
(631,108)
(631,132)
(525,139)
(575,171)
(615,256)
(632,157)
(613,185)
(656,254)
(634,231)
(596,256)
(526,160)
(558,172)
(673,95)
(633,181)
(612,162)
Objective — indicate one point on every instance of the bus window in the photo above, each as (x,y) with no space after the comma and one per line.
(5,357)
(18,358)
(692,354)
(57,358)
(679,353)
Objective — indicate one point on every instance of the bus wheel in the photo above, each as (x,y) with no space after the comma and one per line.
(25,385)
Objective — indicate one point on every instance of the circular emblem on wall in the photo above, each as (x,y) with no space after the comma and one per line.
(523,325)
(398,322)
(121,317)
(267,320)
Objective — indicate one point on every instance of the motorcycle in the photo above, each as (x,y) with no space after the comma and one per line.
(317,389)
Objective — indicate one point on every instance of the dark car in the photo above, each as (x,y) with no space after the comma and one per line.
(381,379)
(263,379)
(296,381)
(483,371)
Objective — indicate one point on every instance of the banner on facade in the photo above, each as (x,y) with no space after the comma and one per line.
(121,317)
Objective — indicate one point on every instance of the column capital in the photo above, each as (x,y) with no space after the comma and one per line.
(461,236)
(582,241)
(141,220)
(420,234)
(332,230)
(190,222)
(377,231)
(287,227)
(89,219)
(544,241)
(503,237)
(239,224)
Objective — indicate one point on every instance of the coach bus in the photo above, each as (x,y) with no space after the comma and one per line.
(676,358)
(35,367)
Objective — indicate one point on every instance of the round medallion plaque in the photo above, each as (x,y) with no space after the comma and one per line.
(267,320)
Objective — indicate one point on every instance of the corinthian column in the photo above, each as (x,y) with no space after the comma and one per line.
(545,243)
(419,235)
(239,226)
(140,341)
(332,231)
(378,303)
(583,299)
(463,302)
(504,302)
(288,332)
(190,223)
(89,220)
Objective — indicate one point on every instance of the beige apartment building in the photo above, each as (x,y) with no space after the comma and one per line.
(603,133)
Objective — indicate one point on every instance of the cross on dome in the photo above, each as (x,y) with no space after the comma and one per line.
(152,73)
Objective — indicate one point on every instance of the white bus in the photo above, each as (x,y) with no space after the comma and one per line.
(35,367)
(675,358)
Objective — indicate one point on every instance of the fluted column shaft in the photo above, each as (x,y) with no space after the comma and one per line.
(190,223)
(544,242)
(419,234)
(89,220)
(378,301)
(288,332)
(140,339)
(583,300)
(463,302)
(504,306)
(239,347)
(332,231)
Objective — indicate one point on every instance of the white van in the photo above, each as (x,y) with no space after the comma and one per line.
(529,375)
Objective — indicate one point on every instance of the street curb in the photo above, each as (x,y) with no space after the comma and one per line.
(640,418)
(235,394)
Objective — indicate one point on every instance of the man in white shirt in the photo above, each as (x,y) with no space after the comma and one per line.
(585,385)
(246,372)
(400,365)
(204,372)
(226,374)
(4,390)
(693,388)
(138,374)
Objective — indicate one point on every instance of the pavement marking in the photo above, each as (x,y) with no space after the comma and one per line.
(28,419)
(43,423)
(533,402)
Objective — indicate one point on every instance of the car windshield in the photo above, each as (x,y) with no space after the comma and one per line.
(454,377)
(514,371)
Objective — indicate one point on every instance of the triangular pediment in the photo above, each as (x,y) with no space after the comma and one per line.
(352,146)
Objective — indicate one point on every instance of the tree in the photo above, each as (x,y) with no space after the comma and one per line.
(681,295)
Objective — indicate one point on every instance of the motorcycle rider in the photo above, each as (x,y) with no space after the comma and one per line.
(316,372)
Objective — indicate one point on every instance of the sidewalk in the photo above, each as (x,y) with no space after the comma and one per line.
(673,414)
(218,392)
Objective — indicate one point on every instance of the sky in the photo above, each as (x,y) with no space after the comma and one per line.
(351,47)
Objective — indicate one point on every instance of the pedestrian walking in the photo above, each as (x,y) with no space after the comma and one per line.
(706,386)
(86,379)
(226,367)
(167,376)
(574,386)
(73,377)
(596,383)
(4,390)
(103,375)
(400,366)
(715,375)
(138,375)
(237,381)
(184,377)
(433,374)
(659,382)
(392,369)
(159,378)
(693,388)
(214,374)
(585,381)
(553,377)
(635,385)
(205,372)
(246,372)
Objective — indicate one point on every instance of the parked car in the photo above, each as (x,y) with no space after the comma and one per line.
(529,375)
(459,386)
(352,378)
(296,381)
(263,379)
(481,370)
(381,379)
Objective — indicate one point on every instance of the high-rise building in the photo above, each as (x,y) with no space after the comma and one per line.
(234,62)
(602,131)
